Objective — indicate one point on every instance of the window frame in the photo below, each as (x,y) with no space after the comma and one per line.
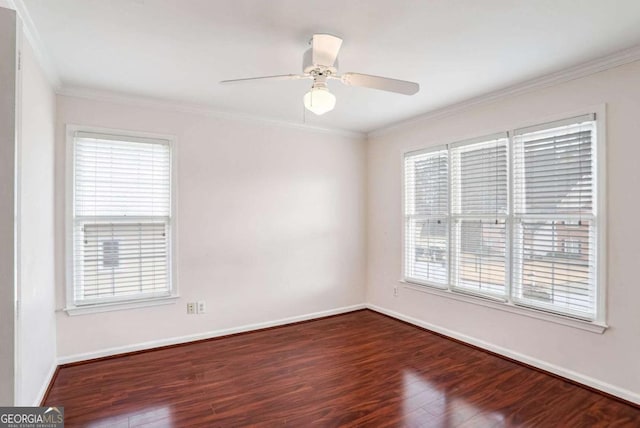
(521,216)
(447,218)
(596,325)
(457,218)
(122,302)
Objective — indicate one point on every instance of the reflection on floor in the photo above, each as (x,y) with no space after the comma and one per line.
(357,369)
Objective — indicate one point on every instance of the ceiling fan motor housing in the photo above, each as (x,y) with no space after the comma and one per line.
(308,67)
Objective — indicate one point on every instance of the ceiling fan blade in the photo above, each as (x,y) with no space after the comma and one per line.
(381,83)
(277,77)
(325,48)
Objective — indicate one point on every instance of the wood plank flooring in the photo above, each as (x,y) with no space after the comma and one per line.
(357,369)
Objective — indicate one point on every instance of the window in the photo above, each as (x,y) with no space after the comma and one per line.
(510,217)
(479,207)
(555,233)
(427,217)
(121,219)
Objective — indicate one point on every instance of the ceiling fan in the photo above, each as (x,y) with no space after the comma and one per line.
(320,63)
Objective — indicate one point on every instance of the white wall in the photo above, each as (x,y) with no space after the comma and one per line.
(7,185)
(270,224)
(37,330)
(610,360)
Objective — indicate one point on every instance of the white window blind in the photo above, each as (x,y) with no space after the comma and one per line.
(511,217)
(479,206)
(121,218)
(555,233)
(427,217)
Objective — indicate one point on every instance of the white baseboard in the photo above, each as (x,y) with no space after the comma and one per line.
(560,371)
(207,335)
(45,385)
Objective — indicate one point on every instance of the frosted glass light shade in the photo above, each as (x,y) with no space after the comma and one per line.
(319,100)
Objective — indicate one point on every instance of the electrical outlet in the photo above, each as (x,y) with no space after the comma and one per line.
(395,291)
(191,308)
(201,307)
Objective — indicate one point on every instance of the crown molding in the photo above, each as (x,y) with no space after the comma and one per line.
(191,108)
(33,37)
(588,68)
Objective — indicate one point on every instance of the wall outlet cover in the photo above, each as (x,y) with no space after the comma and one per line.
(191,308)
(201,307)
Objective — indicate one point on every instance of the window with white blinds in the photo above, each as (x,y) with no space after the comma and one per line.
(121,216)
(555,218)
(427,217)
(510,217)
(479,207)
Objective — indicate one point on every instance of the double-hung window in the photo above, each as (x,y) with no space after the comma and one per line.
(555,217)
(427,217)
(121,219)
(479,209)
(510,217)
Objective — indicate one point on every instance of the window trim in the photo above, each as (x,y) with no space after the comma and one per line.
(590,326)
(597,325)
(119,303)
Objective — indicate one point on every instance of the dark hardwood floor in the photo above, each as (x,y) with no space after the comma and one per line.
(357,369)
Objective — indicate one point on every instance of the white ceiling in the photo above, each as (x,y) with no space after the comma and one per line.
(456,49)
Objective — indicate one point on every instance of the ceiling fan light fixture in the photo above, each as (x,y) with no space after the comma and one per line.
(320,63)
(319,100)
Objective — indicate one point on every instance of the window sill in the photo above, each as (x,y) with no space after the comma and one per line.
(591,326)
(119,306)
